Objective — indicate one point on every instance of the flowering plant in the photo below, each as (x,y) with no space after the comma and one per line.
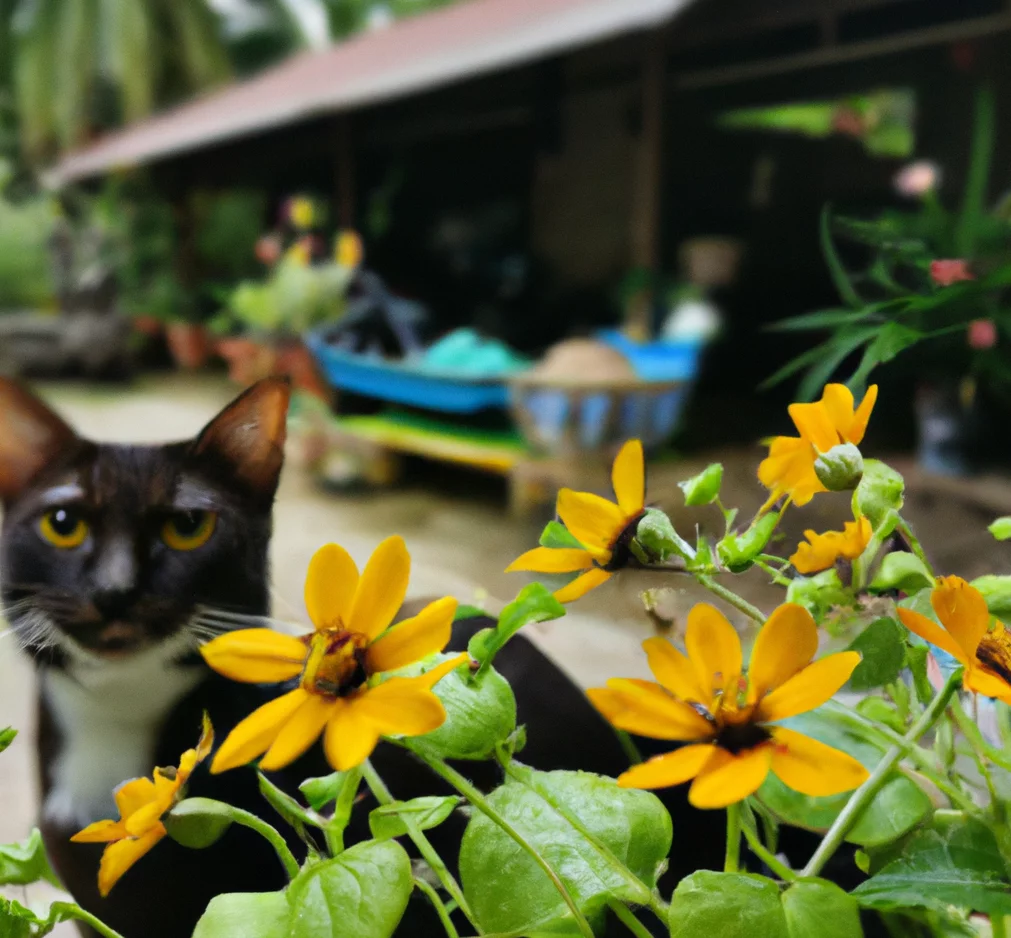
(902,796)
(932,278)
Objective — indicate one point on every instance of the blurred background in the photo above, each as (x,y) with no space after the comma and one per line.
(489,240)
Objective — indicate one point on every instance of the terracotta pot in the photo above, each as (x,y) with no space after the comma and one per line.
(248,360)
(151,326)
(297,363)
(189,344)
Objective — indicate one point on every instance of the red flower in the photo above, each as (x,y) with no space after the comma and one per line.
(945,273)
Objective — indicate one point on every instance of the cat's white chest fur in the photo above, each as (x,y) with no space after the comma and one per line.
(109,714)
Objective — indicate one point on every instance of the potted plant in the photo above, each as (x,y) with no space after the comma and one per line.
(933,287)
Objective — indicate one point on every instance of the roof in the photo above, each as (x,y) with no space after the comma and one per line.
(409,56)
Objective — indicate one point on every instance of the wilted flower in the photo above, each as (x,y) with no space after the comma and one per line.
(823,550)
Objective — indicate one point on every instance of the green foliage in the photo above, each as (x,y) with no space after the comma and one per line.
(704,488)
(16,921)
(535,603)
(879,493)
(882,646)
(901,571)
(737,552)
(390,820)
(820,593)
(7,736)
(228,224)
(1001,529)
(319,792)
(556,535)
(297,816)
(25,264)
(996,591)
(25,862)
(508,890)
(250,914)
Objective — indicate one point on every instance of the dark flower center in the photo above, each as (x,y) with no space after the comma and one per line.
(621,552)
(737,738)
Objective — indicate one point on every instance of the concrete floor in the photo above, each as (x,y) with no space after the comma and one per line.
(460,541)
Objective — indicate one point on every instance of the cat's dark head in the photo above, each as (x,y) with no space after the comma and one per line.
(109,549)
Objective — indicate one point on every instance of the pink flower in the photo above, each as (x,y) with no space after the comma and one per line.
(268,249)
(945,273)
(982,334)
(917,179)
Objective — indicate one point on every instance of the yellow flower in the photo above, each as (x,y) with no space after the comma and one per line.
(602,527)
(348,250)
(301,212)
(142,803)
(985,651)
(338,663)
(299,253)
(728,718)
(789,467)
(823,550)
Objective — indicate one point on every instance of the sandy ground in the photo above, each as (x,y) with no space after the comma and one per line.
(460,540)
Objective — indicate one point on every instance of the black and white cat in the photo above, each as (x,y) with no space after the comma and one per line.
(110,557)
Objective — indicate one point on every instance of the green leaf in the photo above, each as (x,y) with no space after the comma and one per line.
(7,737)
(360,894)
(319,792)
(1001,529)
(833,353)
(996,591)
(836,269)
(18,922)
(892,338)
(820,593)
(249,914)
(959,865)
(883,647)
(556,535)
(704,488)
(738,551)
(480,714)
(297,816)
(198,822)
(506,888)
(901,571)
(727,905)
(883,711)
(388,820)
(468,612)
(25,862)
(822,319)
(818,907)
(897,808)
(535,603)
(880,491)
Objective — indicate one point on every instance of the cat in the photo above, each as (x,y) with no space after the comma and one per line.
(110,556)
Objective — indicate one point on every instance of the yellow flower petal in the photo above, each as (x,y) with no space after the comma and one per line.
(674,670)
(672,768)
(785,646)
(823,550)
(133,795)
(714,648)
(628,476)
(400,707)
(413,639)
(837,401)
(120,856)
(963,612)
(581,585)
(432,676)
(206,742)
(811,767)
(931,632)
(299,732)
(381,589)
(255,734)
(789,470)
(593,521)
(552,560)
(809,689)
(856,430)
(726,779)
(815,425)
(646,709)
(101,832)
(256,656)
(330,584)
(349,740)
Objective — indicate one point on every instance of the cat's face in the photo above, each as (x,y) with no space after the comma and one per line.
(106,550)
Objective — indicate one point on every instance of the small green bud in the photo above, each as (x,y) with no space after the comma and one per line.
(197,822)
(737,552)
(658,539)
(704,488)
(841,468)
(878,493)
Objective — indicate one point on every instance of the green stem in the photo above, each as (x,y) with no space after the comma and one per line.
(976,738)
(775,575)
(246,819)
(767,856)
(866,792)
(732,863)
(628,919)
(462,785)
(914,544)
(431,856)
(605,852)
(729,596)
(629,746)
(439,906)
(998,926)
(78,913)
(334,831)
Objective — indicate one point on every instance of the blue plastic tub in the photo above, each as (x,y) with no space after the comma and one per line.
(658,361)
(406,384)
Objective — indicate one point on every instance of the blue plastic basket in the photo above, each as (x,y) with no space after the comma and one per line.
(404,384)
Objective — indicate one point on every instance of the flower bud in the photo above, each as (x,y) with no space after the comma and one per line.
(737,552)
(841,468)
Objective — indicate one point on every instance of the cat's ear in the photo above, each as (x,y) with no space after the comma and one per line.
(31,436)
(246,439)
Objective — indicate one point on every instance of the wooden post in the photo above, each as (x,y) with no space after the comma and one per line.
(646,208)
(344,171)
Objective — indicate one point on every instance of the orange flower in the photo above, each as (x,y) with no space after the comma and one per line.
(603,529)
(789,467)
(728,718)
(823,550)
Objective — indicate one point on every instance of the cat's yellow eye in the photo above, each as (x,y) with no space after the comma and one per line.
(64,528)
(188,530)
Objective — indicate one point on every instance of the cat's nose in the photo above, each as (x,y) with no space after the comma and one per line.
(114,603)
